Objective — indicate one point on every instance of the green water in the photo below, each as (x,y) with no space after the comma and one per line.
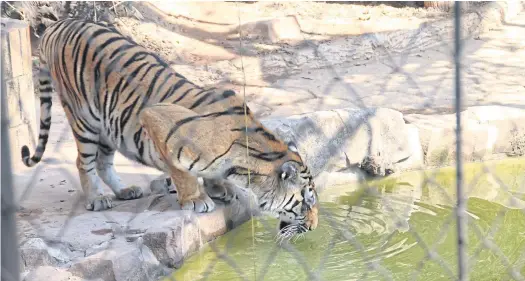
(392,223)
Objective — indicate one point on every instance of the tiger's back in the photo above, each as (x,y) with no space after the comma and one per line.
(107,78)
(118,96)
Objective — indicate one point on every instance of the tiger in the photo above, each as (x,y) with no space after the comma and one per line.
(119,96)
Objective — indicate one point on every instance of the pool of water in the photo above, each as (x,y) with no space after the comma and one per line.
(384,231)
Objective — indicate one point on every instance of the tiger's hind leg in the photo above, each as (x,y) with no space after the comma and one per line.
(87,147)
(108,174)
(86,165)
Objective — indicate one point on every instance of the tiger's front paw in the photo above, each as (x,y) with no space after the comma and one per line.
(202,204)
(129,193)
(99,203)
(221,190)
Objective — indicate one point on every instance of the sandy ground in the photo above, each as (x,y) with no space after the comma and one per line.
(201,33)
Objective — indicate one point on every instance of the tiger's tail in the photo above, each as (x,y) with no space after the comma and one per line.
(46,91)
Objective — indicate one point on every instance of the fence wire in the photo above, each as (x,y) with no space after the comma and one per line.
(44,221)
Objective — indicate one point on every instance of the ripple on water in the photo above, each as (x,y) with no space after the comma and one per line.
(383,226)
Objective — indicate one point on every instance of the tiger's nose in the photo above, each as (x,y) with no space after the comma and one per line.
(312,226)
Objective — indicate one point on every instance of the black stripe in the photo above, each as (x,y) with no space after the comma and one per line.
(284,199)
(36,158)
(110,68)
(44,126)
(96,71)
(84,59)
(261,130)
(104,45)
(136,136)
(294,204)
(147,70)
(183,95)
(138,56)
(159,88)
(235,170)
(104,104)
(240,171)
(46,89)
(201,100)
(203,91)
(120,49)
(130,95)
(45,100)
(179,153)
(86,155)
(114,96)
(194,162)
(41,136)
(151,87)
(83,139)
(126,113)
(76,53)
(216,158)
(268,156)
(139,143)
(138,159)
(181,76)
(226,94)
(172,89)
(103,147)
(199,92)
(236,110)
(115,125)
(131,77)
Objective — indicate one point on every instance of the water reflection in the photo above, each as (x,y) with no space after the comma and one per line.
(392,222)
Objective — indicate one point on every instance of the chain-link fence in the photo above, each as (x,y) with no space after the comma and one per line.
(466,223)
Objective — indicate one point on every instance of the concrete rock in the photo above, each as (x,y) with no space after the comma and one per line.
(46,273)
(284,29)
(172,238)
(374,139)
(127,243)
(120,261)
(277,30)
(489,132)
(35,252)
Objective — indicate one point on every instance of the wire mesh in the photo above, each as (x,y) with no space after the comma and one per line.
(157,249)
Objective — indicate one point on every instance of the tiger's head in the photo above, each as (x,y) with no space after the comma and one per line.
(284,189)
(299,211)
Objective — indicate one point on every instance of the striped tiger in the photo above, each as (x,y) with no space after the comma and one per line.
(118,96)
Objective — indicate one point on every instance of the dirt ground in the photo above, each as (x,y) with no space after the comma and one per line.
(203,34)
(206,32)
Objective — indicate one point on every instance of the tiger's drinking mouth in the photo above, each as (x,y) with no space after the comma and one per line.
(119,96)
(291,196)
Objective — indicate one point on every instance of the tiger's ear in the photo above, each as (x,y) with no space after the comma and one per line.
(292,146)
(288,171)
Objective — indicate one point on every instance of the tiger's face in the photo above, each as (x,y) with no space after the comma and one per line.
(286,191)
(299,211)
